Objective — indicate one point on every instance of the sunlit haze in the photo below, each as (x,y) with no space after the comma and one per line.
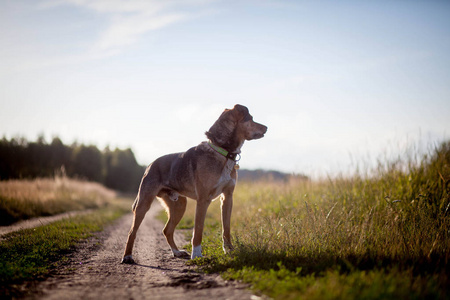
(335,82)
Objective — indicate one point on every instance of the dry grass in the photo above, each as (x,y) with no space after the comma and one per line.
(23,199)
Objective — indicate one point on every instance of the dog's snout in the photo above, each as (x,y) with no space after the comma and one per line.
(258,131)
(264,128)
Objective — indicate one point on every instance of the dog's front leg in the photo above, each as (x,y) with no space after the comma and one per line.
(226,206)
(200,214)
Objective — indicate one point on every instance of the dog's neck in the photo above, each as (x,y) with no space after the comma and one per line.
(228,154)
(231,147)
(225,140)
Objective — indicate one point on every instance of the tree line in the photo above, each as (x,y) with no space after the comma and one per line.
(116,169)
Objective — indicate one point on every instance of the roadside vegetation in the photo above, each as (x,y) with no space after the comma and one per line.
(31,254)
(25,199)
(379,234)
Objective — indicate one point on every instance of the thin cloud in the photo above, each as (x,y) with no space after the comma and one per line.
(125,31)
(128,21)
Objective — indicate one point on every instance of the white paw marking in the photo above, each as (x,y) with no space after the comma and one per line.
(196,252)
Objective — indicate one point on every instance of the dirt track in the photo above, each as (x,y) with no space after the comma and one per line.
(94,270)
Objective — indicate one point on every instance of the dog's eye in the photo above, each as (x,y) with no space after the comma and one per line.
(247,118)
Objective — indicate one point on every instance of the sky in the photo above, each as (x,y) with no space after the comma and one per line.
(336,82)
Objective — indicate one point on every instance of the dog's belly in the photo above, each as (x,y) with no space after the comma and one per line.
(214,192)
(182,191)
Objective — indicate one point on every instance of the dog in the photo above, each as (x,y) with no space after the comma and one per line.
(201,173)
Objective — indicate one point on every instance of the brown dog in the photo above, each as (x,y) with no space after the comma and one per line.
(202,173)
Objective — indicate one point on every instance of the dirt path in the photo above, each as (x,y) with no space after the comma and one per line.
(95,272)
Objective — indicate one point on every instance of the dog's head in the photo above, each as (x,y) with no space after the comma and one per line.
(245,126)
(233,127)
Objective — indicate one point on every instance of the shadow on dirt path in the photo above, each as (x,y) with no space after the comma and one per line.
(94,270)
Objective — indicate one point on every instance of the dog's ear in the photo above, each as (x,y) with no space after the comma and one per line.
(241,113)
(222,129)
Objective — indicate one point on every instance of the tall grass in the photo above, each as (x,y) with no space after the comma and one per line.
(382,233)
(24,199)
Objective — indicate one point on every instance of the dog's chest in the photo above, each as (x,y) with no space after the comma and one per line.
(224,180)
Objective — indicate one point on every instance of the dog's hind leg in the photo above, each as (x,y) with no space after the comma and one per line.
(146,195)
(175,211)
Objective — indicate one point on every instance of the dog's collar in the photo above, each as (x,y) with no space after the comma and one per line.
(229,155)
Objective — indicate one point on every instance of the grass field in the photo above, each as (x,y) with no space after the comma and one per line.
(380,234)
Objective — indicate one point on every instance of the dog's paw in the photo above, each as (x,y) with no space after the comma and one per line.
(180,254)
(128,260)
(196,252)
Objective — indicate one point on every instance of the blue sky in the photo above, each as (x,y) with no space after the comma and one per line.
(335,82)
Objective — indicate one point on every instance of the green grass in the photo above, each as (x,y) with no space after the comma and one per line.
(380,234)
(31,254)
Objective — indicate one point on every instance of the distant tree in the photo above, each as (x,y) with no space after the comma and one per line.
(60,155)
(123,172)
(5,159)
(13,161)
(87,163)
(38,159)
(116,169)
